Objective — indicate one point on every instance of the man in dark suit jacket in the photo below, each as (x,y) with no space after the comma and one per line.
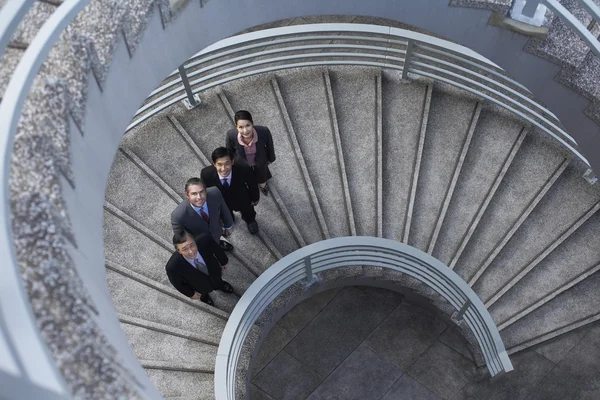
(237,184)
(195,268)
(203,211)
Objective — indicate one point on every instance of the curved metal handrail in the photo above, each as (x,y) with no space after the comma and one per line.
(344,252)
(378,46)
(37,363)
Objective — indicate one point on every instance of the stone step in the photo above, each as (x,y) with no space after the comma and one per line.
(576,259)
(182,384)
(121,238)
(534,170)
(570,310)
(316,137)
(289,178)
(199,144)
(158,350)
(449,131)
(355,92)
(405,114)
(140,300)
(555,218)
(128,178)
(495,142)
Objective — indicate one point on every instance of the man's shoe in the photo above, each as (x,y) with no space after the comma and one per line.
(206,299)
(227,288)
(225,245)
(253,227)
(265,190)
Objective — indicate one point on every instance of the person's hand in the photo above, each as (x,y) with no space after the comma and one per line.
(254,203)
(227,232)
(224,267)
(196,296)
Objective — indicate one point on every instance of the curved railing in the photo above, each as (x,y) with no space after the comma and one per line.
(344,252)
(36,371)
(412,53)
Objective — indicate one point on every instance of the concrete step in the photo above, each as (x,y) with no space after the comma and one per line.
(182,384)
(288,179)
(570,310)
(155,216)
(180,354)
(555,218)
(134,298)
(355,92)
(305,96)
(199,144)
(534,170)
(122,237)
(571,262)
(449,131)
(495,142)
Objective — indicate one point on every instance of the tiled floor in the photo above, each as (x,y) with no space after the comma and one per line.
(365,343)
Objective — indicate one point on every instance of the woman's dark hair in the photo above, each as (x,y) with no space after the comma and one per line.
(243,114)
(180,237)
(221,152)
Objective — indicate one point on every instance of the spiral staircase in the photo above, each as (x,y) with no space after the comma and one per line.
(360,152)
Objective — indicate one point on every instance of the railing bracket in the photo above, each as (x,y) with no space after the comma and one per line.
(189,105)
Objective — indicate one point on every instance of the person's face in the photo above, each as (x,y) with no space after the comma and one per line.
(196,194)
(223,165)
(188,248)
(245,129)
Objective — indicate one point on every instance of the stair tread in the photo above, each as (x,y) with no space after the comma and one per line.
(354,94)
(312,124)
(287,175)
(492,142)
(448,124)
(183,384)
(138,300)
(158,348)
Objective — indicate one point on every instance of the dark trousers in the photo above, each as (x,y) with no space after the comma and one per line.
(248,213)
(215,281)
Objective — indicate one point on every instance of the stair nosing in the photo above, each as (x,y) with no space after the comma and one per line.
(545,253)
(300,160)
(166,329)
(151,283)
(176,366)
(489,197)
(455,176)
(418,160)
(337,139)
(524,215)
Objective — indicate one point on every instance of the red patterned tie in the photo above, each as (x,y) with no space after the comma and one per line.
(204,215)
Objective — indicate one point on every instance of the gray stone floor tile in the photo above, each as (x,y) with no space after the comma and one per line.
(577,376)
(363,375)
(405,334)
(456,341)
(258,394)
(285,378)
(342,325)
(530,369)
(442,370)
(290,325)
(406,388)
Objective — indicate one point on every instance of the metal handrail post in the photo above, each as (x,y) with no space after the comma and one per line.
(192,100)
(311,278)
(530,8)
(458,316)
(410,45)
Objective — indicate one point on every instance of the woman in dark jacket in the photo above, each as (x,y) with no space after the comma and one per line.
(252,144)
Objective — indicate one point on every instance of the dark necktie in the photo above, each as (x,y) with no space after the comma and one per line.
(225,184)
(200,267)
(204,215)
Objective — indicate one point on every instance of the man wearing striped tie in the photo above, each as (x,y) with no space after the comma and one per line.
(195,267)
(203,211)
